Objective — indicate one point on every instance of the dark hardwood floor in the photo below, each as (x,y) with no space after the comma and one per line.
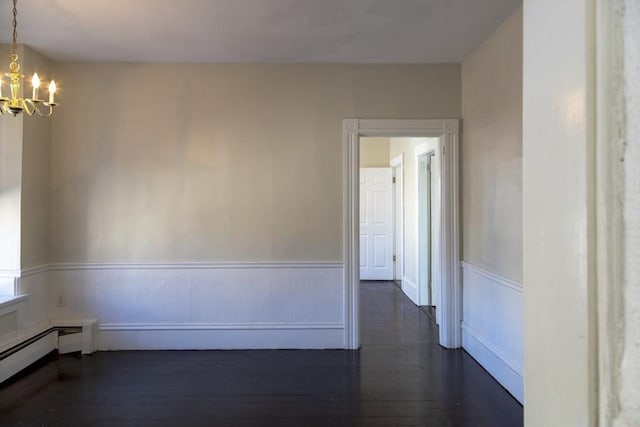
(400,377)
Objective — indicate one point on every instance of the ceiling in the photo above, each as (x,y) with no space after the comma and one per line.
(227,31)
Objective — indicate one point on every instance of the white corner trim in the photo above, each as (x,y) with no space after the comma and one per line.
(214,326)
(492,276)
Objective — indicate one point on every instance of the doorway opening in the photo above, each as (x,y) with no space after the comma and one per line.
(439,139)
(428,253)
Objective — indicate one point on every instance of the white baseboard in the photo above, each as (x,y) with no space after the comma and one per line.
(230,337)
(492,330)
(497,364)
(410,289)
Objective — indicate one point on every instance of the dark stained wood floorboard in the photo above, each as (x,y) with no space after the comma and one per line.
(400,377)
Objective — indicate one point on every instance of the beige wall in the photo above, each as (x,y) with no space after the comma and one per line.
(10,184)
(492,152)
(36,172)
(374,152)
(217,162)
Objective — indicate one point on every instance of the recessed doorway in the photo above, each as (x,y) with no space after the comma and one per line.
(443,135)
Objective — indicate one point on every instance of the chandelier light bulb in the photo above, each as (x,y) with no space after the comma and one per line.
(52,90)
(35,82)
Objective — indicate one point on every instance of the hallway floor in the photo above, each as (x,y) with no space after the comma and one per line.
(400,377)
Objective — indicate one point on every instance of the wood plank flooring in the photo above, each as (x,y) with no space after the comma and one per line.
(400,377)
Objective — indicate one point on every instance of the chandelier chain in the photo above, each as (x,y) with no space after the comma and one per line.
(15,26)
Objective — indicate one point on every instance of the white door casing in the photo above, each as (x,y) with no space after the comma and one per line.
(446,130)
(397,164)
(376,224)
(434,258)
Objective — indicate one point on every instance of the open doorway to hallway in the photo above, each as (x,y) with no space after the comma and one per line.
(398,216)
(443,135)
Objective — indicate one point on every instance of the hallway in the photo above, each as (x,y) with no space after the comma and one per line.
(400,377)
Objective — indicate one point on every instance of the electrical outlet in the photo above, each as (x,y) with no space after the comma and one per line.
(60,300)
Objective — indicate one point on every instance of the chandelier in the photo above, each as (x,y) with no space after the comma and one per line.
(15,104)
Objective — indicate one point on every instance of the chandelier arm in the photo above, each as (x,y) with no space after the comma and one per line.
(48,112)
(29,106)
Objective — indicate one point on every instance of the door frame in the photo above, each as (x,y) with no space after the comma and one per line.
(447,132)
(423,149)
(397,164)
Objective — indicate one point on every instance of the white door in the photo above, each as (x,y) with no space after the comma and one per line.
(376,224)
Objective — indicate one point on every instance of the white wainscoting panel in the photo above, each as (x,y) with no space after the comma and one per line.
(34,282)
(204,306)
(492,328)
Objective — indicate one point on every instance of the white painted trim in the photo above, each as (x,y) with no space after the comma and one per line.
(30,271)
(422,149)
(132,339)
(505,370)
(163,266)
(398,162)
(511,284)
(351,230)
(410,289)
(191,265)
(214,326)
(447,131)
(9,300)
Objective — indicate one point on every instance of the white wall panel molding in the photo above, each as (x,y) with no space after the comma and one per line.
(492,330)
(35,283)
(500,280)
(203,305)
